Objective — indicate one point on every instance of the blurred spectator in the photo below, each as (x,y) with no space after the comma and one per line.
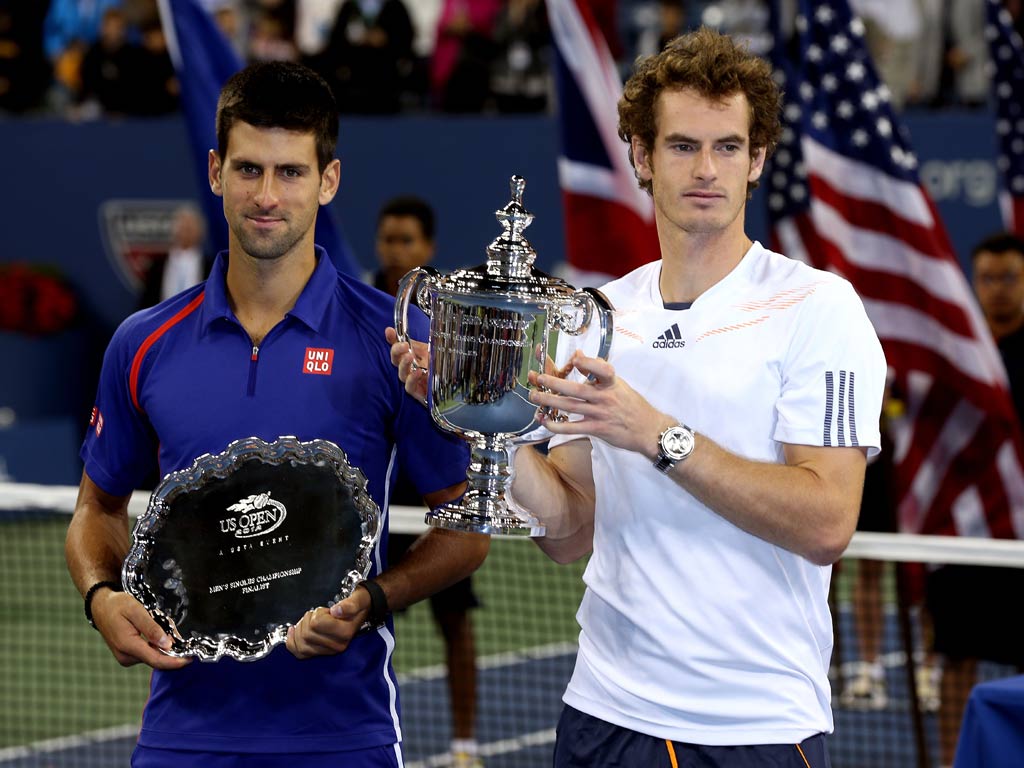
(314,20)
(654,24)
(24,70)
(231,19)
(67,75)
(968,602)
(424,15)
(185,264)
(70,28)
(69,21)
(283,10)
(967,56)
(929,53)
(405,240)
(521,72)
(270,26)
(109,69)
(369,58)
(460,68)
(154,83)
(141,14)
(744,20)
(270,38)
(892,29)
(998,279)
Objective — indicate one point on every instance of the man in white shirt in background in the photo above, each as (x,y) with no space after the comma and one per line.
(186,263)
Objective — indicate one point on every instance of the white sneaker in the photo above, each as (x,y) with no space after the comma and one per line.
(928,677)
(865,690)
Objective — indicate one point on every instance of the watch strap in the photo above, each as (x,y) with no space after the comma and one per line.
(664,463)
(378,606)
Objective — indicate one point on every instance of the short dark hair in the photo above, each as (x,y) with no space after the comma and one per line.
(280,94)
(1000,242)
(714,66)
(408,205)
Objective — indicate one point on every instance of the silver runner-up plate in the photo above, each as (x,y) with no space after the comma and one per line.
(237,547)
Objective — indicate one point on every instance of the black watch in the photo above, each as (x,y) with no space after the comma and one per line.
(674,445)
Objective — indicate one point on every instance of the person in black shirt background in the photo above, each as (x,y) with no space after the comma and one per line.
(405,240)
(968,602)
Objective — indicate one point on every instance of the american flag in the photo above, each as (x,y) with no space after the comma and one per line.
(609,220)
(1007,68)
(844,195)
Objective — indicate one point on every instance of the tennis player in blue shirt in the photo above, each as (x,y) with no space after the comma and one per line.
(230,358)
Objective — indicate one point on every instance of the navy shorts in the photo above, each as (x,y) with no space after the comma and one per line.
(587,742)
(375,757)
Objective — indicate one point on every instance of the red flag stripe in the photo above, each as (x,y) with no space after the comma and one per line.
(875,217)
(887,287)
(627,244)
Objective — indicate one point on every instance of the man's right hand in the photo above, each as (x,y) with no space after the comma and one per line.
(130,632)
(411,360)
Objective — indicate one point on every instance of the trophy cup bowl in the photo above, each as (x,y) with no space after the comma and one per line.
(490,326)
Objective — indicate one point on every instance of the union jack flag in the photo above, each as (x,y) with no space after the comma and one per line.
(609,220)
(1007,68)
(844,195)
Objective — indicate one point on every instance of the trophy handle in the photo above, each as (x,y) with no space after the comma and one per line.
(588,300)
(409,286)
(605,312)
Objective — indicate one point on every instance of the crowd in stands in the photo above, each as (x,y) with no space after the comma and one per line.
(85,58)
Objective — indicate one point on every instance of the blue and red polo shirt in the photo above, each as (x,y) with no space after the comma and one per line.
(182,379)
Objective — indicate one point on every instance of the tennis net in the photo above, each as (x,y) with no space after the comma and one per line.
(66,702)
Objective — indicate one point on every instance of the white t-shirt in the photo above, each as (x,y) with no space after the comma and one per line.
(692,629)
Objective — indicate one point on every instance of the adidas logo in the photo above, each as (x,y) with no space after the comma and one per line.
(670,339)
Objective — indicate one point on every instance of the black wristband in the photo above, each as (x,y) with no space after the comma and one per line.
(112,585)
(378,605)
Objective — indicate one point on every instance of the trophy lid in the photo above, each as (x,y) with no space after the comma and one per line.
(509,272)
(510,254)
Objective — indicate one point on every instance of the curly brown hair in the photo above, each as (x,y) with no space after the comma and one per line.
(716,67)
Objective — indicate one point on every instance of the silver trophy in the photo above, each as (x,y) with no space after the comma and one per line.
(236,547)
(490,326)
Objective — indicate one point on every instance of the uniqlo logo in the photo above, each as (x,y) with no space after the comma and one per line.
(99,423)
(319,361)
(92,418)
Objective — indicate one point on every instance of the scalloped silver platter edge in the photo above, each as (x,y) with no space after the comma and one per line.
(220,466)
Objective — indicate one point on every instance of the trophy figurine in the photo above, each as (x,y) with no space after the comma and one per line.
(490,326)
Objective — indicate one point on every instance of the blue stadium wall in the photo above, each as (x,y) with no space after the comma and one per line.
(56,176)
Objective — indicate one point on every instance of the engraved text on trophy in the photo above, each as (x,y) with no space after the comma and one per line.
(481,357)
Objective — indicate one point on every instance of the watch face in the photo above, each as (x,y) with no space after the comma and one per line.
(677,443)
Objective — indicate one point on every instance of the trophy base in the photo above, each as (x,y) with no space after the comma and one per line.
(502,522)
